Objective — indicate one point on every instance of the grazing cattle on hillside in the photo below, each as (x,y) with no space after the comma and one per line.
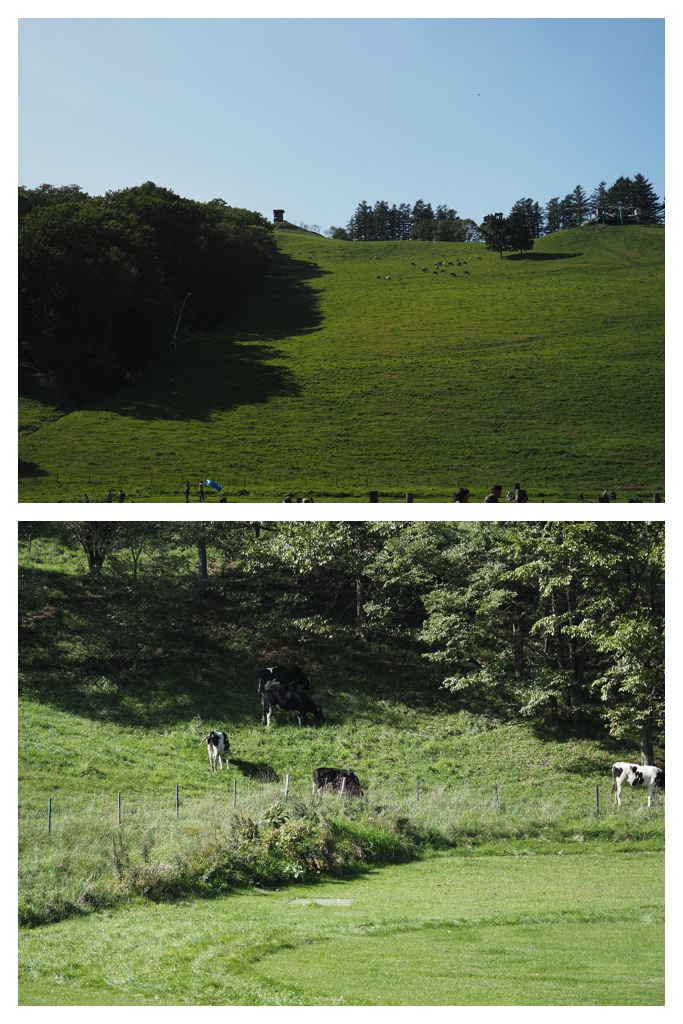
(339,780)
(219,748)
(637,775)
(288,700)
(288,677)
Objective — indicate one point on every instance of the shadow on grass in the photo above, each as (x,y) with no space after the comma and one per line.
(30,469)
(237,364)
(259,771)
(544,256)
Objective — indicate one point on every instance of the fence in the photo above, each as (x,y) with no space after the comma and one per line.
(119,808)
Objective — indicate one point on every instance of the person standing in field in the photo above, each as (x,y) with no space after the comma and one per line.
(110,496)
(493,497)
(122,496)
(462,496)
(187,491)
(201,491)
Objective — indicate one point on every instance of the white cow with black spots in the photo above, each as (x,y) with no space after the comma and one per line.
(218,748)
(637,775)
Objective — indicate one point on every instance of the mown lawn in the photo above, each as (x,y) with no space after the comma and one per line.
(517,930)
(356,369)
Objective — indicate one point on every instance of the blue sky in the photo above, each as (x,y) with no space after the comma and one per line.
(313,116)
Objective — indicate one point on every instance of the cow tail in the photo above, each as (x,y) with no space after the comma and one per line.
(614,781)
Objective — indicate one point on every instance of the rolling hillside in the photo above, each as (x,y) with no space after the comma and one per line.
(357,369)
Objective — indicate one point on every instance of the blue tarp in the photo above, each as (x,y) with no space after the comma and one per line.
(212,483)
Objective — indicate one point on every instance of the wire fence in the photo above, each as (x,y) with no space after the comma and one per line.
(64,487)
(51,813)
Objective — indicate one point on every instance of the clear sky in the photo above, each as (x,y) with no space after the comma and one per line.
(313,116)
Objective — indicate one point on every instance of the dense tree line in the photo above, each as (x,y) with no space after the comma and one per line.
(628,200)
(102,279)
(385,223)
(562,622)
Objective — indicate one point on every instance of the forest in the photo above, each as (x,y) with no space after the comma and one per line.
(559,623)
(425,222)
(104,280)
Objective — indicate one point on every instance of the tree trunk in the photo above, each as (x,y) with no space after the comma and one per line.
(203,569)
(360,602)
(647,750)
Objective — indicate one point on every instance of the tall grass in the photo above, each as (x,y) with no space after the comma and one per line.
(88,861)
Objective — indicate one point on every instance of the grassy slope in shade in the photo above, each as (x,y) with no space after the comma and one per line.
(545,369)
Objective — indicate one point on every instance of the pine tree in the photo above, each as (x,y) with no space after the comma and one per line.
(553,215)
(581,204)
(598,199)
(651,209)
(520,238)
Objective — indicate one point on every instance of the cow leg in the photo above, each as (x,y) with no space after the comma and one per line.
(618,792)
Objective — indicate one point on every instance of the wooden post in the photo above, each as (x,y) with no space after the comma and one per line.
(286,786)
(119,807)
(176,801)
(234,793)
(49,815)
(374,496)
(409,497)
(597,800)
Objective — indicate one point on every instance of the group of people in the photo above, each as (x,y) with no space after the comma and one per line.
(462,495)
(202,496)
(109,498)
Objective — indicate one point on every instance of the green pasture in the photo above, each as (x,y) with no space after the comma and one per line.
(447,930)
(355,370)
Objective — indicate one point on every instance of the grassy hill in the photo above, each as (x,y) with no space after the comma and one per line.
(92,728)
(357,369)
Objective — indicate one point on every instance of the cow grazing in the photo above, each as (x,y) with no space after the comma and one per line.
(284,677)
(219,748)
(290,700)
(637,775)
(339,780)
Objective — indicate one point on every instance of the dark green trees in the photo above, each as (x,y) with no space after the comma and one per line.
(514,233)
(101,279)
(494,230)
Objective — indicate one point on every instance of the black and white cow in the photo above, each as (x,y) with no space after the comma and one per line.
(339,780)
(283,677)
(219,748)
(290,700)
(637,775)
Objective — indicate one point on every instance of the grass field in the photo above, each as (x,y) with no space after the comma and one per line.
(356,369)
(442,931)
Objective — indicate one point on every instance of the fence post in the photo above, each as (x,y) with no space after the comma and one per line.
(176,800)
(597,800)
(286,786)
(119,807)
(49,815)
(234,792)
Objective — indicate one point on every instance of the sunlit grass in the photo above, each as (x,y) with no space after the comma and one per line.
(545,370)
